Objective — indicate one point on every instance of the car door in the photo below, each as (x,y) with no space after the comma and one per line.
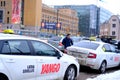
(109,55)
(17,58)
(48,61)
(116,56)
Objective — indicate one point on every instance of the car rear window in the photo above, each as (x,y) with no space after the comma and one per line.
(75,39)
(88,45)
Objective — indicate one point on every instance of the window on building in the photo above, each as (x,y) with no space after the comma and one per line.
(8,19)
(4,3)
(1,3)
(1,14)
(113,25)
(113,19)
(113,32)
(8,12)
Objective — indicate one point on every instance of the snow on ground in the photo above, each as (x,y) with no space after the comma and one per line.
(108,76)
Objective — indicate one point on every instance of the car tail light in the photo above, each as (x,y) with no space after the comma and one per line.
(60,44)
(92,55)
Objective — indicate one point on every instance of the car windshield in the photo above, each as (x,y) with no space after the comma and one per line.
(88,45)
(56,38)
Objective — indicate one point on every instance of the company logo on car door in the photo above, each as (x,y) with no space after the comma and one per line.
(50,68)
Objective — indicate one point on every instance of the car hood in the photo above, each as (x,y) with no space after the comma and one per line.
(69,56)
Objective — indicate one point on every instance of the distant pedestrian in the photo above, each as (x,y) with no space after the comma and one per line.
(67,41)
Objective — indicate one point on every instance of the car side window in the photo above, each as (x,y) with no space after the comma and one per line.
(16,47)
(6,48)
(42,49)
(112,48)
(107,48)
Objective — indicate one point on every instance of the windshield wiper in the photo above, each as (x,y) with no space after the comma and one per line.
(18,50)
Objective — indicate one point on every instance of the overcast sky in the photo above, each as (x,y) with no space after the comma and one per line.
(112,5)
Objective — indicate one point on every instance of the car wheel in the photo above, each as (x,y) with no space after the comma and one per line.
(70,73)
(2,78)
(119,65)
(102,67)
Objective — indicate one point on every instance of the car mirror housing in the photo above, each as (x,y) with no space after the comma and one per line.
(58,54)
(117,51)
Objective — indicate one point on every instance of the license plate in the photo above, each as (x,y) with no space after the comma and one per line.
(81,60)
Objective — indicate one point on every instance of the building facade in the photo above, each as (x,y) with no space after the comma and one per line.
(29,14)
(20,12)
(104,29)
(90,17)
(5,11)
(67,18)
(111,27)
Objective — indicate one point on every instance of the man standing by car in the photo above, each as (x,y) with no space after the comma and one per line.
(67,41)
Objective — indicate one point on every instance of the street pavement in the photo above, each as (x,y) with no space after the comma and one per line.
(90,73)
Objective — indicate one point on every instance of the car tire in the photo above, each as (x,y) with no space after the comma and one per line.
(70,73)
(119,65)
(2,78)
(103,67)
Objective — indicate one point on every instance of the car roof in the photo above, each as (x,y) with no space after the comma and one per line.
(98,42)
(14,36)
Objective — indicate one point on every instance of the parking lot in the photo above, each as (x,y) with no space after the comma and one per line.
(86,73)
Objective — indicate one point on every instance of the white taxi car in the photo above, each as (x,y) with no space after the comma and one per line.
(96,55)
(26,58)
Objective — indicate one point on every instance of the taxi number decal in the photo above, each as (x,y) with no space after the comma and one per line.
(50,68)
(29,69)
(116,59)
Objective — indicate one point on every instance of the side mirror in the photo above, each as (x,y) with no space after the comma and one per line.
(58,54)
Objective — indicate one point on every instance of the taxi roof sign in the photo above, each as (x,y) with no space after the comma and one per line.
(92,38)
(8,31)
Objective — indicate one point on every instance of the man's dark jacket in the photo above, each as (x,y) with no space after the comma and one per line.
(67,42)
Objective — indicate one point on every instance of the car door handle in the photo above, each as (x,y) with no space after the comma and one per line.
(10,60)
(40,61)
(65,62)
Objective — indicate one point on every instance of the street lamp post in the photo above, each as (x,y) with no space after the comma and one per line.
(57,22)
